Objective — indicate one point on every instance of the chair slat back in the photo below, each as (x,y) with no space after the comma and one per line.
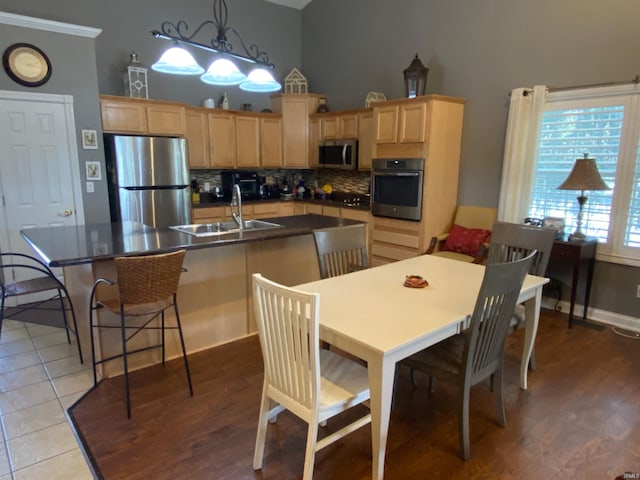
(512,241)
(341,250)
(288,328)
(494,307)
(148,278)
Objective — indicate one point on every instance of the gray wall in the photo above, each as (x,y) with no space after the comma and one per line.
(73,70)
(478,50)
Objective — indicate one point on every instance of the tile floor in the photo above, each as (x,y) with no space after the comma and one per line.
(40,377)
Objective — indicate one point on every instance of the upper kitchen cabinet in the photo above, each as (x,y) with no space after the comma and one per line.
(247,141)
(401,121)
(339,125)
(222,140)
(141,116)
(365,140)
(198,137)
(295,110)
(271,141)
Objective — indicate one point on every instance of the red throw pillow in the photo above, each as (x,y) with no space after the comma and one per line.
(466,240)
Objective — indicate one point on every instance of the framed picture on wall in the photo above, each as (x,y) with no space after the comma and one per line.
(94,171)
(89,140)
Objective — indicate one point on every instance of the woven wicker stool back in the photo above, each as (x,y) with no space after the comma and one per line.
(150,278)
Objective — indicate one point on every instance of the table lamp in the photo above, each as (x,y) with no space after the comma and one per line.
(583,176)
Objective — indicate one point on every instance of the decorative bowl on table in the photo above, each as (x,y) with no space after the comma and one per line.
(415,281)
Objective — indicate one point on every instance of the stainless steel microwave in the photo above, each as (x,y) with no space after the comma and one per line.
(340,154)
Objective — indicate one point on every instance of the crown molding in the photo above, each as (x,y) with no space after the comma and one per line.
(7,18)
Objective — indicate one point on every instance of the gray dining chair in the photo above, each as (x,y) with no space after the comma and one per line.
(477,353)
(512,241)
(341,250)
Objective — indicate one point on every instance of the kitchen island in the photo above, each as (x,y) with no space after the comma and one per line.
(214,295)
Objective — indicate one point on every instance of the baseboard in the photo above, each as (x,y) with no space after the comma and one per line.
(603,316)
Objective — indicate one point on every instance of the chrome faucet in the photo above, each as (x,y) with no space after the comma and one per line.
(236,201)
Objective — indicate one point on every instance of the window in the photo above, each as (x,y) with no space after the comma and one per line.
(605,123)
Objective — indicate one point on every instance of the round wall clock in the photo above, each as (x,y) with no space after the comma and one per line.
(26,64)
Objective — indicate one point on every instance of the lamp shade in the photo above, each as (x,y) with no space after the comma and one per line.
(178,61)
(584,176)
(223,72)
(260,80)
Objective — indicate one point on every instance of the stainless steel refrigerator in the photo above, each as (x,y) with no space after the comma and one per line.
(148,180)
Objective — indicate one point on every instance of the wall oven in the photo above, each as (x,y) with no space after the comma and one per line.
(396,188)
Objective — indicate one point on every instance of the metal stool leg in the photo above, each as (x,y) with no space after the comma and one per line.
(124,360)
(184,350)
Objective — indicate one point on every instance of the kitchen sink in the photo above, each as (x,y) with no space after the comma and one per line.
(221,228)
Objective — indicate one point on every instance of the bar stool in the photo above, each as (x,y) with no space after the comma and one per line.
(147,286)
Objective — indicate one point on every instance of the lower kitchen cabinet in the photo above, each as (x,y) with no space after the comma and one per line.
(208,214)
(393,240)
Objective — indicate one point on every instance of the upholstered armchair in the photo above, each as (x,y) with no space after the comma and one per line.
(468,239)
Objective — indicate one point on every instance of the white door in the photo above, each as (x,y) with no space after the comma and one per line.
(39,174)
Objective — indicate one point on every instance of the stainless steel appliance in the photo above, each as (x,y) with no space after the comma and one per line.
(148,179)
(248,181)
(340,154)
(396,188)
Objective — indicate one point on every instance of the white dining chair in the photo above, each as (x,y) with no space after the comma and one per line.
(312,383)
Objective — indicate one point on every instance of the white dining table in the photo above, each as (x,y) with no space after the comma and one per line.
(371,315)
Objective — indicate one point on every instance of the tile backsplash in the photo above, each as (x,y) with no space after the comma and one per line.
(341,180)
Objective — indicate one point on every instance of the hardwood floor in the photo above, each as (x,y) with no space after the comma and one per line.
(579,419)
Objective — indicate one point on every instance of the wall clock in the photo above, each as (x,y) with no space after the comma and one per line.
(26,64)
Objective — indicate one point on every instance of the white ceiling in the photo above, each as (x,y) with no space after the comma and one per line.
(299,4)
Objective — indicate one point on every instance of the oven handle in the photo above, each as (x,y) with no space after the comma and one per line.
(344,154)
(397,174)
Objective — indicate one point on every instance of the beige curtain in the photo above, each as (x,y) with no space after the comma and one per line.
(520,152)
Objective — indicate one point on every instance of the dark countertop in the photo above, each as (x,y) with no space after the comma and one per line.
(330,202)
(73,245)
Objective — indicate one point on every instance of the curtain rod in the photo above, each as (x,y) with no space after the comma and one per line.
(636,80)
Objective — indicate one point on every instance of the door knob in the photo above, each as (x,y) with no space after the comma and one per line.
(67,213)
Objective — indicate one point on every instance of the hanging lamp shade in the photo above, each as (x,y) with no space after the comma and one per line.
(177,61)
(223,72)
(260,80)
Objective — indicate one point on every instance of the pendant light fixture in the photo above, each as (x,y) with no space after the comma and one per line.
(222,71)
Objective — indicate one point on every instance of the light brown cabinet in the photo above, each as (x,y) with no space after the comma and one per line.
(149,117)
(197,136)
(295,110)
(400,122)
(365,140)
(271,141)
(339,125)
(428,127)
(247,136)
(222,140)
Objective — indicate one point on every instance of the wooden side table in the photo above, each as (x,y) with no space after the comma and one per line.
(577,252)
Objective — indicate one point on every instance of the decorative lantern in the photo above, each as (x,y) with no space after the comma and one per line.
(135,78)
(415,78)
